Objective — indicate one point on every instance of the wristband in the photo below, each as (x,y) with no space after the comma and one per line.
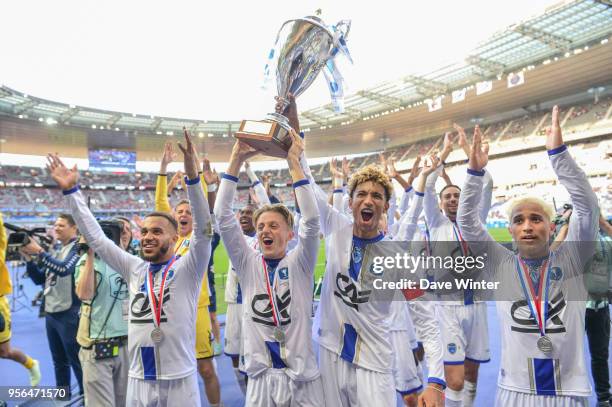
(212,188)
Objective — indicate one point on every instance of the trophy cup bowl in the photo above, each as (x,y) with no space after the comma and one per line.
(305,47)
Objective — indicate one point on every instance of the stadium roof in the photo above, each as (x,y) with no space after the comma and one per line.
(564,29)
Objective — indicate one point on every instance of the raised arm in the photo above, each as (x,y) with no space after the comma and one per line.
(260,191)
(161,188)
(473,230)
(487,196)
(406,184)
(308,243)
(199,246)
(585,215)
(433,216)
(108,251)
(229,229)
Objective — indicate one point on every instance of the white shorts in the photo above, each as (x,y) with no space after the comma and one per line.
(405,368)
(274,388)
(163,393)
(465,332)
(509,398)
(233,330)
(348,385)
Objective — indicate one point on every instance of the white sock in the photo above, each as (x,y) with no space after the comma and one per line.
(240,379)
(454,398)
(469,393)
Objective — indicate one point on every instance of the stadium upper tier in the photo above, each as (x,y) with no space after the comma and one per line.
(516,143)
(563,51)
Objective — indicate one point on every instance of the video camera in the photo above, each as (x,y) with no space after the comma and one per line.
(559,218)
(111,228)
(21,237)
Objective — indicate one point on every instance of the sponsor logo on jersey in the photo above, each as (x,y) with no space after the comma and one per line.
(262,309)
(140,308)
(524,322)
(348,292)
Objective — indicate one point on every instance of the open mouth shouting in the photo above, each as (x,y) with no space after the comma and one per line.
(267,242)
(367,214)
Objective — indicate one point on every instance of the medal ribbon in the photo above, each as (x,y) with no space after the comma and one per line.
(156,305)
(536,301)
(270,289)
(459,238)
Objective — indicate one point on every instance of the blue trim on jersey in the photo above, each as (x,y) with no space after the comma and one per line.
(557,150)
(544,377)
(254,184)
(338,191)
(437,380)
(476,172)
(192,181)
(300,183)
(239,295)
(417,193)
(368,241)
(231,355)
(350,342)
(71,190)
(229,177)
(468,297)
(477,360)
(408,189)
(410,391)
(457,362)
(147,355)
(274,349)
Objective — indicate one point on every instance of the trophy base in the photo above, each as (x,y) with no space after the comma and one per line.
(270,136)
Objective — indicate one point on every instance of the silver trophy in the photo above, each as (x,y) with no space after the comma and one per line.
(303,48)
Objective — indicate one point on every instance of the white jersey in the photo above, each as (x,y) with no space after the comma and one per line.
(174,357)
(443,232)
(524,368)
(233,292)
(351,326)
(292,286)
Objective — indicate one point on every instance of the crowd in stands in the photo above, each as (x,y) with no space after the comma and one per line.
(27,191)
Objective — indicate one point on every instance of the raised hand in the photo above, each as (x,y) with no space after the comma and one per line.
(168,156)
(479,156)
(554,139)
(430,165)
(462,139)
(449,139)
(415,170)
(333,169)
(175,179)
(391,168)
(297,146)
(189,159)
(207,172)
(346,168)
(65,178)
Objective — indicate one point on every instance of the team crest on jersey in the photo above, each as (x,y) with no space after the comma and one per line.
(283,273)
(452,348)
(357,254)
(556,274)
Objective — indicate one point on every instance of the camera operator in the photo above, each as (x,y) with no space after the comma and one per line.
(6,351)
(60,304)
(105,362)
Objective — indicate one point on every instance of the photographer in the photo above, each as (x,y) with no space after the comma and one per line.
(60,304)
(105,360)
(6,351)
